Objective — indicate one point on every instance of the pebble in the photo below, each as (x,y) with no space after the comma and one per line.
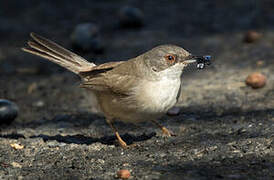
(86,37)
(123,174)
(131,17)
(39,103)
(8,111)
(16,165)
(52,144)
(256,80)
(175,111)
(252,36)
(17,146)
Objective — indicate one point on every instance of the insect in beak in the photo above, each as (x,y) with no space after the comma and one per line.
(201,61)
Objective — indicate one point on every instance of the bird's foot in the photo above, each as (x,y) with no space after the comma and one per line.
(124,145)
(166,132)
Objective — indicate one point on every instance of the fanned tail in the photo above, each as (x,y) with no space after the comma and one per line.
(47,49)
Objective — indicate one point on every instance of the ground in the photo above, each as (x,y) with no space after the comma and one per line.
(225,129)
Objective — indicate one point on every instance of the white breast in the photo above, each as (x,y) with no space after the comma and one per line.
(160,95)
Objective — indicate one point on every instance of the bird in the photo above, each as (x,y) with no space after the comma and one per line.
(140,89)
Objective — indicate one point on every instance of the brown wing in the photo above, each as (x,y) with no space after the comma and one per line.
(113,77)
(92,71)
(115,83)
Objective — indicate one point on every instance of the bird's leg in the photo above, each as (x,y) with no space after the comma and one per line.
(122,143)
(164,129)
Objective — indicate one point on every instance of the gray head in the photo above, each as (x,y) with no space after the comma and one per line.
(165,57)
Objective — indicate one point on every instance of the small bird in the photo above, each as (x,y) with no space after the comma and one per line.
(140,89)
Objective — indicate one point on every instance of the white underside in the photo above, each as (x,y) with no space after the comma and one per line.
(160,95)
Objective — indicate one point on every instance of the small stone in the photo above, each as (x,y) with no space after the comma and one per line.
(123,174)
(131,17)
(16,146)
(53,144)
(126,164)
(16,165)
(256,80)
(39,104)
(8,111)
(175,111)
(86,37)
(252,36)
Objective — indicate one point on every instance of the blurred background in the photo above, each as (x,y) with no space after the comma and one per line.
(238,34)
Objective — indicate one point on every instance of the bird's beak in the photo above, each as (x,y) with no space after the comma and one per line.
(190,59)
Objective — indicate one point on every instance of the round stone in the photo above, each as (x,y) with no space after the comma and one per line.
(252,36)
(123,174)
(8,111)
(256,80)
(86,37)
(131,17)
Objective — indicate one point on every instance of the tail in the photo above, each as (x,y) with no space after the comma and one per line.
(47,49)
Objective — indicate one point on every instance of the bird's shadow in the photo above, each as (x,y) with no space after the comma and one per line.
(108,140)
(78,121)
(81,139)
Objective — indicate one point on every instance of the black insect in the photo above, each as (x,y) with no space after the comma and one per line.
(202,61)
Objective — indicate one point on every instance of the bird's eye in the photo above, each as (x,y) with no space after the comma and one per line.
(170,58)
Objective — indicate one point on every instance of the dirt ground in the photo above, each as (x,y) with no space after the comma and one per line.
(225,129)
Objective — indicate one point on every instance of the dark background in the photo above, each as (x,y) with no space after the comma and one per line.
(225,130)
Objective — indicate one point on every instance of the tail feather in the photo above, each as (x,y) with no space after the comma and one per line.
(49,50)
(44,50)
